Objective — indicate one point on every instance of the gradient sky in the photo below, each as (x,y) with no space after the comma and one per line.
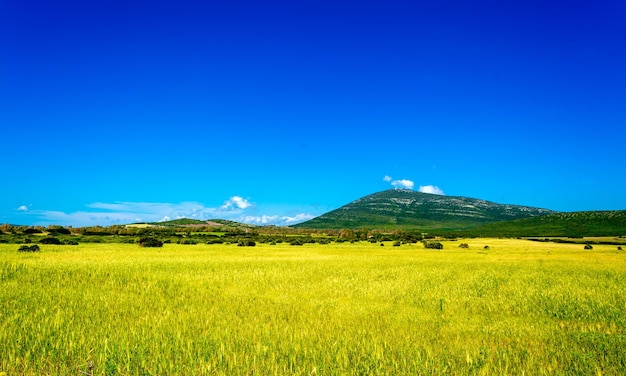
(278,111)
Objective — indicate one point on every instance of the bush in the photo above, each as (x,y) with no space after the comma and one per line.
(588,246)
(432,245)
(396,243)
(246,243)
(50,241)
(149,242)
(464,245)
(486,247)
(71,242)
(29,248)
(619,249)
(58,230)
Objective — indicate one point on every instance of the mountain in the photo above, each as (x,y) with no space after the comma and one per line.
(575,224)
(401,208)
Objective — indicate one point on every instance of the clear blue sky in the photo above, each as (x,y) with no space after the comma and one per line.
(277,111)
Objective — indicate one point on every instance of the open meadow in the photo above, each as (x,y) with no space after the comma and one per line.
(520,307)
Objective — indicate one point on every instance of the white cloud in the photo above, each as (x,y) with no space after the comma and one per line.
(236,208)
(431,189)
(236,202)
(403,183)
(22,208)
(278,220)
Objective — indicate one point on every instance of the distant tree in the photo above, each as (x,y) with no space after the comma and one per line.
(149,242)
(464,245)
(588,246)
(396,243)
(29,248)
(432,245)
(246,243)
(50,241)
(619,249)
(53,230)
(486,247)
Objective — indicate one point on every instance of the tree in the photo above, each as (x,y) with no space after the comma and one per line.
(31,248)
(149,242)
(432,245)
(50,241)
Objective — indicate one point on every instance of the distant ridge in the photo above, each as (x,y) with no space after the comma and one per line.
(574,224)
(402,208)
(199,222)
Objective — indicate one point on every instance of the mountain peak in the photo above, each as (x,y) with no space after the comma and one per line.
(406,208)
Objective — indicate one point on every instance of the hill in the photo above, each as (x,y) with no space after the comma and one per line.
(575,224)
(401,208)
(188,222)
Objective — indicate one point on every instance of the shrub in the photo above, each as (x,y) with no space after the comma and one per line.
(464,245)
(149,242)
(432,245)
(382,244)
(486,247)
(588,246)
(396,243)
(71,242)
(50,241)
(58,230)
(29,248)
(246,243)
(619,249)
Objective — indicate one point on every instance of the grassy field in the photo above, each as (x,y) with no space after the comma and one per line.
(520,307)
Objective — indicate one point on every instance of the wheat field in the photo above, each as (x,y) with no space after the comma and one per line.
(519,307)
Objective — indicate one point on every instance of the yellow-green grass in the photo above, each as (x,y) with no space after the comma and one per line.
(520,307)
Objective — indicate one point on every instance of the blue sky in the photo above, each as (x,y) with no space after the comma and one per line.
(278,111)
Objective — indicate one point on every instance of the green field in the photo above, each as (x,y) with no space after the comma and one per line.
(520,307)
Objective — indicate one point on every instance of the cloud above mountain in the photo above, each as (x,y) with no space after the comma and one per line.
(432,189)
(401,183)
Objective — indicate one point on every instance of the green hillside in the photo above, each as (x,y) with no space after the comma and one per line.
(576,224)
(180,222)
(401,208)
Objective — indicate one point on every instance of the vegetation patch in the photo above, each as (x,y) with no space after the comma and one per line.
(149,242)
(29,248)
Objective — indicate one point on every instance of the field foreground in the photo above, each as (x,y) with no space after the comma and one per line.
(520,307)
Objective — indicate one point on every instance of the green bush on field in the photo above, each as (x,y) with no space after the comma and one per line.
(29,248)
(149,242)
(432,245)
(50,241)
(246,243)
